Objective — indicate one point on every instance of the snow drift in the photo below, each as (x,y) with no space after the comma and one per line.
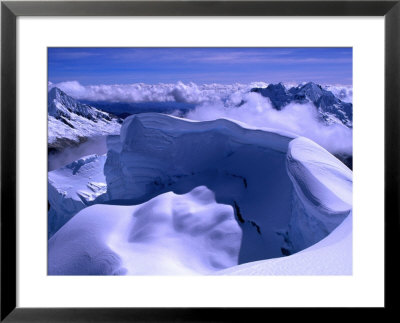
(170,234)
(322,194)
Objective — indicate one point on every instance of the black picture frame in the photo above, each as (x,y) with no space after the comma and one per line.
(10,10)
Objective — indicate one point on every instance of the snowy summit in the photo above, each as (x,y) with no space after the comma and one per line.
(71,122)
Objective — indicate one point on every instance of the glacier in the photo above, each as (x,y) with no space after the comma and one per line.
(284,193)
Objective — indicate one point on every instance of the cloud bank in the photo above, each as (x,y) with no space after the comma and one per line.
(233,101)
(141,92)
(170,92)
(300,119)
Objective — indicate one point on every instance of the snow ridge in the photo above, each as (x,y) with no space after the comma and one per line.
(71,122)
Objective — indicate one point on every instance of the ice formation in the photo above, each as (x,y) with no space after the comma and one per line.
(287,193)
(283,194)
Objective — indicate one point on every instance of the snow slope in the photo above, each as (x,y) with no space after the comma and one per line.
(74,187)
(287,194)
(330,256)
(71,122)
(170,234)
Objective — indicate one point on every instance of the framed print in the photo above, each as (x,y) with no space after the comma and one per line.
(162,158)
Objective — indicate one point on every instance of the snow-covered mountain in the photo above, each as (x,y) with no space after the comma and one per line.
(284,193)
(71,122)
(190,93)
(330,107)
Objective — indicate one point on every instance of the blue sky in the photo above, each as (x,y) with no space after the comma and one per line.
(90,66)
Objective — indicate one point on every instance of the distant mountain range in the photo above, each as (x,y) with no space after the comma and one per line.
(71,122)
(330,107)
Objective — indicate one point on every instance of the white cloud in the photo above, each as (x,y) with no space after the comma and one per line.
(141,92)
(215,101)
(344,93)
(300,119)
(180,92)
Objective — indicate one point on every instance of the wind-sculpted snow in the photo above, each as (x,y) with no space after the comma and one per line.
(71,122)
(168,235)
(322,193)
(74,187)
(287,194)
